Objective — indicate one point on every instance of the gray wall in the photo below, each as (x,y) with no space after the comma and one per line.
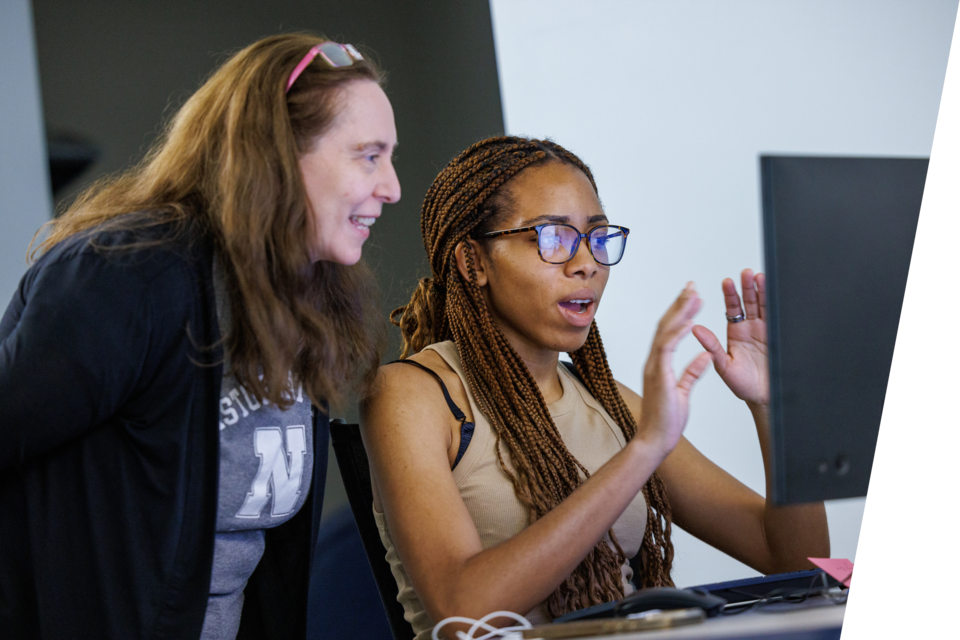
(112,70)
(24,187)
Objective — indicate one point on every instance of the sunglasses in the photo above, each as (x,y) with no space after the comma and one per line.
(335,54)
(558,243)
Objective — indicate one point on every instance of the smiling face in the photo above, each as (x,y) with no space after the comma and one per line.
(541,306)
(348,174)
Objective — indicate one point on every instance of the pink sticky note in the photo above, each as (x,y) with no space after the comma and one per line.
(839,568)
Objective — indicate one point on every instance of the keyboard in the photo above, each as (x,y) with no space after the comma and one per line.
(748,589)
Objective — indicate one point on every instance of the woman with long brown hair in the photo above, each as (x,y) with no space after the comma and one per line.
(524,485)
(166,363)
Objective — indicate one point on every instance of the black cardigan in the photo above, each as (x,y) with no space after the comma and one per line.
(109,446)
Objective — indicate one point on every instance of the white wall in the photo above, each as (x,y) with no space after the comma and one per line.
(670,102)
(25,202)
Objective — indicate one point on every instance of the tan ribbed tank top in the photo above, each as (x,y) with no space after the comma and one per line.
(591,436)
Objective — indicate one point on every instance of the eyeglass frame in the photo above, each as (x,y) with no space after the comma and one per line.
(315,51)
(576,245)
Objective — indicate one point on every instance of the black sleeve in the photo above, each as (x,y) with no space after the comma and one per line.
(72,345)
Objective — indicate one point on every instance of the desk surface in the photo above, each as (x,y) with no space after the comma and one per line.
(815,619)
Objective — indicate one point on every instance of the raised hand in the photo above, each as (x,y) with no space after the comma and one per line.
(743,365)
(666,399)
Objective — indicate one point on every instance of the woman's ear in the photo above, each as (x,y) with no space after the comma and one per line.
(479,260)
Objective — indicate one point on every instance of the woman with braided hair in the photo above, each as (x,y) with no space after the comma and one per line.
(527,486)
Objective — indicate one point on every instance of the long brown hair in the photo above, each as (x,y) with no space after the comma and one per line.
(228,161)
(468,196)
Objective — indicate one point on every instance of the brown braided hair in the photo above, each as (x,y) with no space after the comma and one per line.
(464,201)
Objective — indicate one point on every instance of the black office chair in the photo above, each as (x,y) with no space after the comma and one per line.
(355,471)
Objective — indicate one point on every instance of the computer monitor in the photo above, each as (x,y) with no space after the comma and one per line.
(838,236)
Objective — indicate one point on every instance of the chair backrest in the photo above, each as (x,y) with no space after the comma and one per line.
(355,471)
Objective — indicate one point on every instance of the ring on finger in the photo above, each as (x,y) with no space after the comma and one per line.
(735,319)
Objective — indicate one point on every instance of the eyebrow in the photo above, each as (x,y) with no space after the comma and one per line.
(532,222)
(377,145)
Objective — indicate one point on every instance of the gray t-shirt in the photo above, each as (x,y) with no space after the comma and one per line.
(266,462)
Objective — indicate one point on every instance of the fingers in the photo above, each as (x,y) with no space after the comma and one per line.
(761,281)
(713,346)
(730,298)
(693,372)
(674,325)
(678,320)
(750,301)
(754,296)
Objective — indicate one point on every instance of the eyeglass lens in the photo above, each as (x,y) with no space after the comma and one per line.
(557,243)
(335,54)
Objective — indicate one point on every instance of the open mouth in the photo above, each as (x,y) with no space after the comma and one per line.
(576,306)
(362,222)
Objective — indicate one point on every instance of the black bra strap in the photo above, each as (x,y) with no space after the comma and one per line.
(457,413)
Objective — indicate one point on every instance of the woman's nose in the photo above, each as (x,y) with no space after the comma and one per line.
(582,260)
(388,190)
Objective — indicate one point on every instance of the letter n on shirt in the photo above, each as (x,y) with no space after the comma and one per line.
(280,473)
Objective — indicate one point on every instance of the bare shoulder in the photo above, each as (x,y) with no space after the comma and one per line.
(400,387)
(435,362)
(632,398)
(415,376)
(408,398)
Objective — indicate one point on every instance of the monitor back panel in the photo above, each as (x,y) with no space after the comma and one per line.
(838,236)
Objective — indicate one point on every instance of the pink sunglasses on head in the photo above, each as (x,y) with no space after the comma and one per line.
(336,55)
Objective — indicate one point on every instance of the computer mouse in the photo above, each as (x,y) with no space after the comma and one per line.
(668,598)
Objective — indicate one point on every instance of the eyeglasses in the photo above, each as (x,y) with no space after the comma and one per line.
(558,243)
(336,55)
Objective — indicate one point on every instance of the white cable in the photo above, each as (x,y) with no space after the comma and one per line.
(505,633)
